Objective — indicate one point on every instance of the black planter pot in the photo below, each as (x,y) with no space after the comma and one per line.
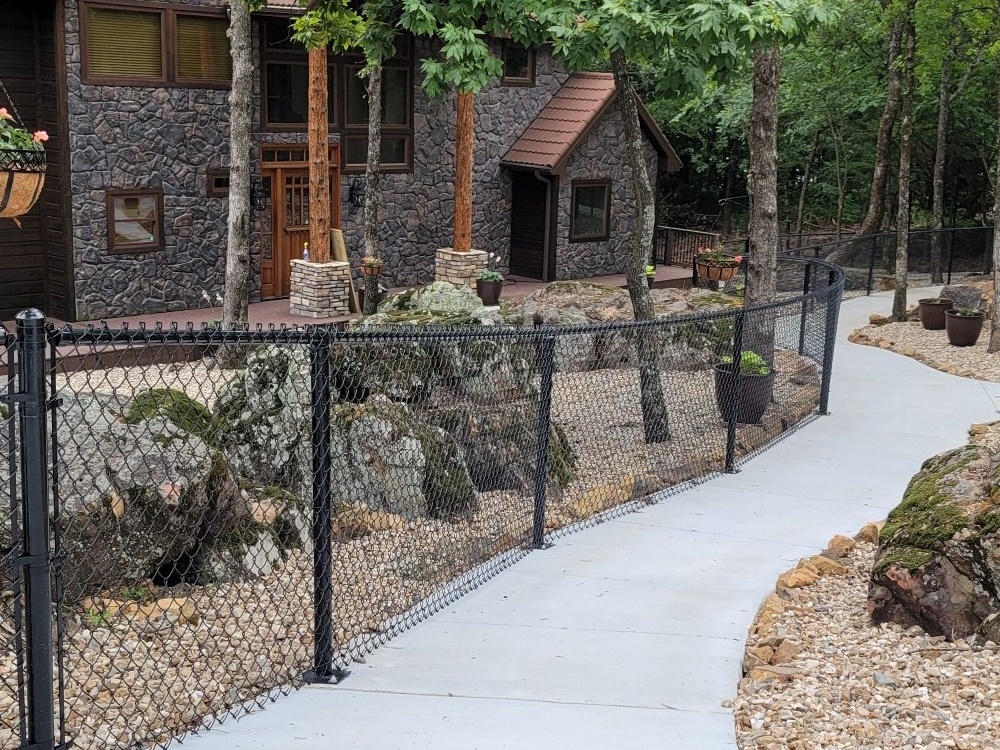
(932,313)
(489,292)
(743,397)
(963,330)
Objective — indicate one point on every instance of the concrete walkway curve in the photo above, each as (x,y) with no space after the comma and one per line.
(630,635)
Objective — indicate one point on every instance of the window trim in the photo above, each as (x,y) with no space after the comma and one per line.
(168,45)
(136,249)
(213,174)
(506,80)
(339,67)
(604,182)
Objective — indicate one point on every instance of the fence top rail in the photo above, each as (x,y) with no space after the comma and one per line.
(209,335)
(688,231)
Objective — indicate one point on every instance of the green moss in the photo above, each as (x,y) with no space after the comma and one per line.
(927,515)
(911,558)
(988,521)
(715,298)
(573,286)
(176,406)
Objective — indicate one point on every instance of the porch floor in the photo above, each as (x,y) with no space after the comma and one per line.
(275,312)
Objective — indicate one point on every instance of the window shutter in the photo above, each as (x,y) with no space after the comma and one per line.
(124,43)
(203,49)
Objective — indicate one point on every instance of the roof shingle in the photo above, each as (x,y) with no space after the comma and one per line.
(551,137)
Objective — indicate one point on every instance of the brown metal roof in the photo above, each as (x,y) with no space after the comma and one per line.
(551,137)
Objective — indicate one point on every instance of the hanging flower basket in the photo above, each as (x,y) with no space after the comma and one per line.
(717,270)
(22,175)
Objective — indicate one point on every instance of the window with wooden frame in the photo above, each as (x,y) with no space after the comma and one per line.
(218,183)
(285,98)
(135,221)
(590,210)
(518,64)
(140,44)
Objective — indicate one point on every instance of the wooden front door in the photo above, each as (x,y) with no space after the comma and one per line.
(287,174)
(530,228)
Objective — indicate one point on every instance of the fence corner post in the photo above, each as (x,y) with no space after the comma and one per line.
(36,546)
(546,366)
(830,339)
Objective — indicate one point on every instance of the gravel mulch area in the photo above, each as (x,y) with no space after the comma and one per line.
(932,348)
(835,681)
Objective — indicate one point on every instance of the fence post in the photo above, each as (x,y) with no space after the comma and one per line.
(668,248)
(36,550)
(546,365)
(738,324)
(805,308)
(320,381)
(951,251)
(873,241)
(832,315)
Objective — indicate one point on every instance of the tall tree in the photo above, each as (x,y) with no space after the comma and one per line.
(236,290)
(905,148)
(872,221)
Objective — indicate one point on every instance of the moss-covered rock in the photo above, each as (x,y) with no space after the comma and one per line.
(937,563)
(438,296)
(175,405)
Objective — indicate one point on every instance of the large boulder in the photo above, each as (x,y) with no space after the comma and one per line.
(159,505)
(938,562)
(438,296)
(963,295)
(390,459)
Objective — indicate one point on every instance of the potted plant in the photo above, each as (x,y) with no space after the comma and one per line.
(22,166)
(715,264)
(489,285)
(932,311)
(963,325)
(489,282)
(743,393)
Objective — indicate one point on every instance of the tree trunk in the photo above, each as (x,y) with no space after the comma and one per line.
(372,192)
(837,149)
(883,143)
(937,201)
(237,281)
(762,178)
(903,199)
(465,126)
(801,210)
(994,345)
(319,159)
(651,396)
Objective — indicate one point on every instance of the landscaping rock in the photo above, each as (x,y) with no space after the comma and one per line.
(938,562)
(963,295)
(438,296)
(393,461)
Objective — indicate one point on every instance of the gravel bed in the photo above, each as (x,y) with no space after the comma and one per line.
(932,348)
(857,686)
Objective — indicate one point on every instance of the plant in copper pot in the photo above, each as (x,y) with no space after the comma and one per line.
(743,393)
(963,325)
(932,310)
(716,264)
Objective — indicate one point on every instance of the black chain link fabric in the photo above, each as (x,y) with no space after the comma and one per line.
(236,512)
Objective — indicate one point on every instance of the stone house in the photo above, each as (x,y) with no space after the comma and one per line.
(133,214)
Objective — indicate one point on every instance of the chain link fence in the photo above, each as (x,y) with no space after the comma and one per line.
(235,513)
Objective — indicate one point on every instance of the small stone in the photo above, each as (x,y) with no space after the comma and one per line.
(797,578)
(883,679)
(869,533)
(842,545)
(786,652)
(827,567)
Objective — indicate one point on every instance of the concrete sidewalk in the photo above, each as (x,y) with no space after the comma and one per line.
(630,635)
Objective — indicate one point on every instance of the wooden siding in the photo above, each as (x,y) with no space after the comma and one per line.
(34,270)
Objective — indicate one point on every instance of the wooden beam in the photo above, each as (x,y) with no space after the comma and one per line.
(463,173)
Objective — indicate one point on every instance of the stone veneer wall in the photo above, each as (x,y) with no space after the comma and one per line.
(602,155)
(415,218)
(131,138)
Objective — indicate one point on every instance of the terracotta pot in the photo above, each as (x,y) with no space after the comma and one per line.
(489,291)
(711,272)
(932,313)
(963,330)
(371,270)
(22,175)
(741,396)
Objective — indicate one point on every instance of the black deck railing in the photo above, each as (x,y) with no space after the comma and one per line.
(255,509)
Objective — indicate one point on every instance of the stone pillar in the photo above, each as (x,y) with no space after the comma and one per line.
(459,268)
(319,290)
